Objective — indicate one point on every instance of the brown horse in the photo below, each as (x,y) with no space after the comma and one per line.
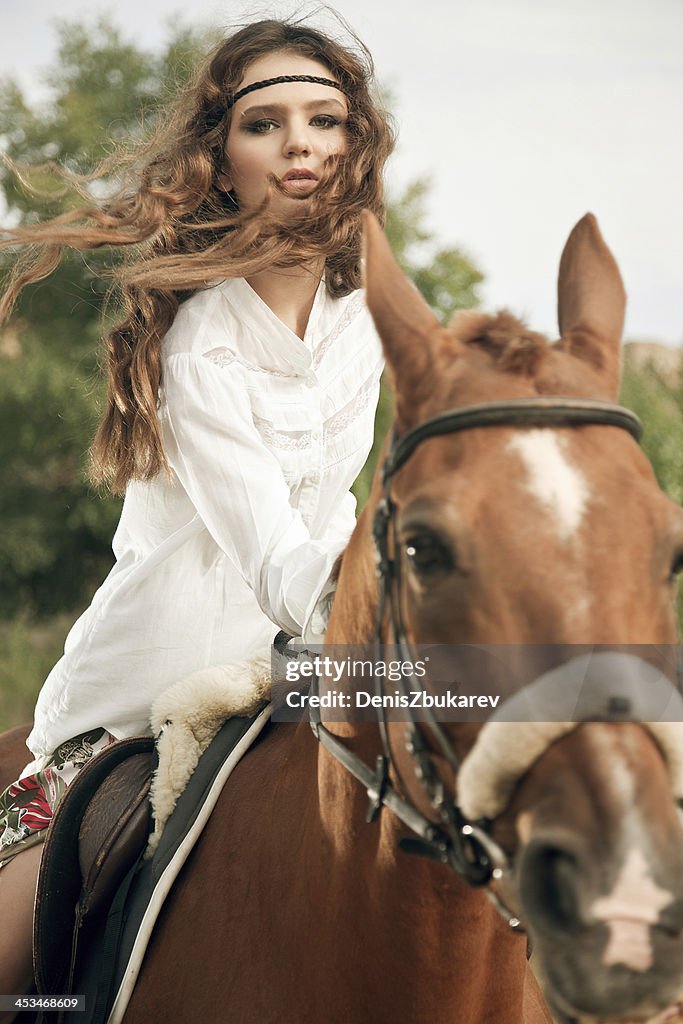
(291,908)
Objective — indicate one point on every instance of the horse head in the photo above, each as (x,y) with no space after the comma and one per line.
(546,531)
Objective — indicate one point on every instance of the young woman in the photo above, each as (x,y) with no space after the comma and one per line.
(242,389)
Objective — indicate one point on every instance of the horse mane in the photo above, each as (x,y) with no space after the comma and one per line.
(510,344)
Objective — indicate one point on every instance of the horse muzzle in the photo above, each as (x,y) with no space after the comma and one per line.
(604,911)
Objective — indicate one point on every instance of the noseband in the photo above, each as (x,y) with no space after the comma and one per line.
(466,846)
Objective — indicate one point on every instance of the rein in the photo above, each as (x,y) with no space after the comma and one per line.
(466,846)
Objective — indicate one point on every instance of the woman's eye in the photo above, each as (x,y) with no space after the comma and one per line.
(427,555)
(677,567)
(325,121)
(263,125)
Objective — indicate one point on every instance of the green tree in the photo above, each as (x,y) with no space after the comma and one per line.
(660,407)
(447,277)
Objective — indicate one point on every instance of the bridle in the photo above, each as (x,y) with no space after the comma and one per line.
(466,846)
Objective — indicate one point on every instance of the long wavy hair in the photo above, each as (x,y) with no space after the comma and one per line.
(182,231)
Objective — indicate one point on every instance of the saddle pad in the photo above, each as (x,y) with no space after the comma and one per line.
(155,877)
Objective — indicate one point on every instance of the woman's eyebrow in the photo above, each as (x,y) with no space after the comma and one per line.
(280,108)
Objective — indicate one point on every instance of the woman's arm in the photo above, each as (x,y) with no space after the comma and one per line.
(238,488)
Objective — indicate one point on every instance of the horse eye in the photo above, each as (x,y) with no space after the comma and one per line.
(427,555)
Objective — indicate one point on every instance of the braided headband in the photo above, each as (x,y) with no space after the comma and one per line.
(278,81)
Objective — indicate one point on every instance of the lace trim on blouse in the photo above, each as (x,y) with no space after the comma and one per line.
(351,312)
(224,357)
(287,440)
(352,410)
(301,440)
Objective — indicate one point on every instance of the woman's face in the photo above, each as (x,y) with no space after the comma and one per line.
(285,130)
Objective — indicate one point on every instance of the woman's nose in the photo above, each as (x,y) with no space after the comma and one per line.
(297,140)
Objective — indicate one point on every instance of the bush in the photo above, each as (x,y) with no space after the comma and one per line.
(29,650)
(660,407)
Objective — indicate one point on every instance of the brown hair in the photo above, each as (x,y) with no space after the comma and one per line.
(183,232)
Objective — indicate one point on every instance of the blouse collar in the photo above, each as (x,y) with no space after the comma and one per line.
(266,341)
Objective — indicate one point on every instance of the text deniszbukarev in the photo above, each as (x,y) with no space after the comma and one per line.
(363,699)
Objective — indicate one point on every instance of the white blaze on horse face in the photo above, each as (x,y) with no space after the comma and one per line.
(629,910)
(551,478)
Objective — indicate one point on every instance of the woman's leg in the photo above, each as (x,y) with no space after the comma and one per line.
(17,895)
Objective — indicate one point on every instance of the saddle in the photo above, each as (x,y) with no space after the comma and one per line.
(98,832)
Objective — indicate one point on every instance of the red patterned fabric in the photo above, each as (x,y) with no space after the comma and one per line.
(27,805)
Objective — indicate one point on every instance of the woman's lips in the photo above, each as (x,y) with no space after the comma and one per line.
(299,174)
(301,184)
(296,183)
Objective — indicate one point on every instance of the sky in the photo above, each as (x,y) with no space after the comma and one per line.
(523,114)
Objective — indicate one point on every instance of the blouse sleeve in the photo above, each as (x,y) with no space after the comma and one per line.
(339,530)
(239,491)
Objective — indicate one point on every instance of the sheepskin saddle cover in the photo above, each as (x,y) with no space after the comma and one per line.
(185,719)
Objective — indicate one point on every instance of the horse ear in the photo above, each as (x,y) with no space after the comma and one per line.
(406,325)
(591,301)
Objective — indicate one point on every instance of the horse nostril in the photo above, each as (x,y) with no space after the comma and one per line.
(549,886)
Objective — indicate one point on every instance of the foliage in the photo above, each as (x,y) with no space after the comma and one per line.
(29,650)
(660,407)
(106,93)
(446,277)
(56,533)
(659,404)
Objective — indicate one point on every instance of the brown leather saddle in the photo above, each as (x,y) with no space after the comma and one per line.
(98,832)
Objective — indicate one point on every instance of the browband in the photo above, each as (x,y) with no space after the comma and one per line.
(279,81)
(538,411)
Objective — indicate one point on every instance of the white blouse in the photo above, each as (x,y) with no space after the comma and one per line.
(264,434)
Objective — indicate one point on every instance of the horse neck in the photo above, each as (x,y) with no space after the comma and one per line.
(415,937)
